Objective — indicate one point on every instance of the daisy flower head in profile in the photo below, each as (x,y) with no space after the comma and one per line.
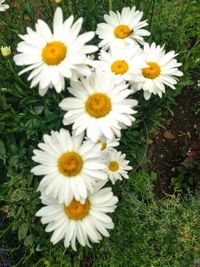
(53,56)
(70,168)
(3,6)
(107,144)
(99,106)
(124,63)
(161,71)
(122,28)
(117,166)
(83,222)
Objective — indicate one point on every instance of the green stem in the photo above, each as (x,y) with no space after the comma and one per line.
(15,73)
(191,50)
(23,260)
(79,258)
(152,10)
(110,4)
(36,264)
(6,230)
(183,15)
(145,150)
(8,28)
(138,4)
(10,250)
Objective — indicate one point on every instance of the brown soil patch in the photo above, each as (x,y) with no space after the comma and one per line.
(170,146)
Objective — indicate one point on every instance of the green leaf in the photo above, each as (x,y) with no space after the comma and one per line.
(2,151)
(28,242)
(13,160)
(22,231)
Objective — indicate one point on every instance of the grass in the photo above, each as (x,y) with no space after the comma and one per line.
(148,231)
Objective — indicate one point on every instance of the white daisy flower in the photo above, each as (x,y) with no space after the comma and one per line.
(70,168)
(160,71)
(51,57)
(124,63)
(3,6)
(117,166)
(108,144)
(83,222)
(122,29)
(100,106)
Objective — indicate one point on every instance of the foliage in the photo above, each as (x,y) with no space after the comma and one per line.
(151,232)
(148,232)
(188,171)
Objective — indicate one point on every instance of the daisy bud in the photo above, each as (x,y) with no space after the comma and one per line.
(5,51)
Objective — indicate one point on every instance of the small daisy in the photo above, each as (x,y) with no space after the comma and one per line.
(100,106)
(70,168)
(161,70)
(51,57)
(117,166)
(3,6)
(83,222)
(122,29)
(124,63)
(108,144)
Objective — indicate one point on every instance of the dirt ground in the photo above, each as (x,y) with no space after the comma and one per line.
(170,146)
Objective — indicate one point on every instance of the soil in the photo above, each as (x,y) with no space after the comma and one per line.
(170,145)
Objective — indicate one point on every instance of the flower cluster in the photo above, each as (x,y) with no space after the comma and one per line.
(76,166)
(74,171)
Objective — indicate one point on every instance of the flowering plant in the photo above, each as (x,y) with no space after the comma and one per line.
(74,170)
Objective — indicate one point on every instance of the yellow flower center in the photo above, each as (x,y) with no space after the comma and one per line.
(103,145)
(98,105)
(113,166)
(54,52)
(76,210)
(122,31)
(119,67)
(70,164)
(152,71)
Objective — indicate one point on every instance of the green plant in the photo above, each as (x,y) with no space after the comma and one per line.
(188,171)
(148,231)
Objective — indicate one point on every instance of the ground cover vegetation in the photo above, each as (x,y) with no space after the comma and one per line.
(157,217)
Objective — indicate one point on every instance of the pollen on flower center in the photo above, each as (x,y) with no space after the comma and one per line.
(122,31)
(98,105)
(70,163)
(76,210)
(152,71)
(113,166)
(119,67)
(54,52)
